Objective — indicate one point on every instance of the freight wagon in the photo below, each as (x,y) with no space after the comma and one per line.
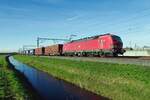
(26,52)
(101,45)
(40,51)
(53,50)
(32,52)
(29,52)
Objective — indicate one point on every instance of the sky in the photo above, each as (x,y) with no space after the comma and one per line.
(22,21)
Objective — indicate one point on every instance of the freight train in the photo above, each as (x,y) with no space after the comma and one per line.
(100,45)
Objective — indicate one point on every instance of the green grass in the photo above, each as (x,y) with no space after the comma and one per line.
(10,86)
(115,81)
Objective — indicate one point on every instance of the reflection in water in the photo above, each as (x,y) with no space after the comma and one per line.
(51,88)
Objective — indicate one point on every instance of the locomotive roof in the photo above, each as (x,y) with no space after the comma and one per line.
(90,38)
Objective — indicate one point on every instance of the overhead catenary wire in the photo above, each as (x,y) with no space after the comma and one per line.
(123,21)
(108,27)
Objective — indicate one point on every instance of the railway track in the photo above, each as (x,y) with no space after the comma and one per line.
(143,61)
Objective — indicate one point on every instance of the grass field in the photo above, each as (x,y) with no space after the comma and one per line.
(10,86)
(115,81)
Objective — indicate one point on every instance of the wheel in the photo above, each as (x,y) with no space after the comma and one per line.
(115,55)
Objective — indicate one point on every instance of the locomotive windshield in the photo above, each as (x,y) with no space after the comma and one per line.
(117,38)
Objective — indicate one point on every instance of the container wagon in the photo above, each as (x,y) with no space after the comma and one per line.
(101,45)
(40,51)
(26,52)
(31,52)
(54,50)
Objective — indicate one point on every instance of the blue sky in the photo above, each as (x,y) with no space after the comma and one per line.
(22,21)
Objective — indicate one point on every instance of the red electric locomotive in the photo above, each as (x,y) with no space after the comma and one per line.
(101,45)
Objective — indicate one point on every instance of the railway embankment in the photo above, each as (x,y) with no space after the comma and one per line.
(115,81)
(132,60)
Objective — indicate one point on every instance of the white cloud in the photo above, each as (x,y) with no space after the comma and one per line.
(13,8)
(73,17)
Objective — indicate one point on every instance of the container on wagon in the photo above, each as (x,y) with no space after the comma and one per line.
(40,51)
(54,50)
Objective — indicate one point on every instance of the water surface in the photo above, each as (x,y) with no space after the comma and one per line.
(51,88)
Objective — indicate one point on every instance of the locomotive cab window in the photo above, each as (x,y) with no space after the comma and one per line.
(117,38)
